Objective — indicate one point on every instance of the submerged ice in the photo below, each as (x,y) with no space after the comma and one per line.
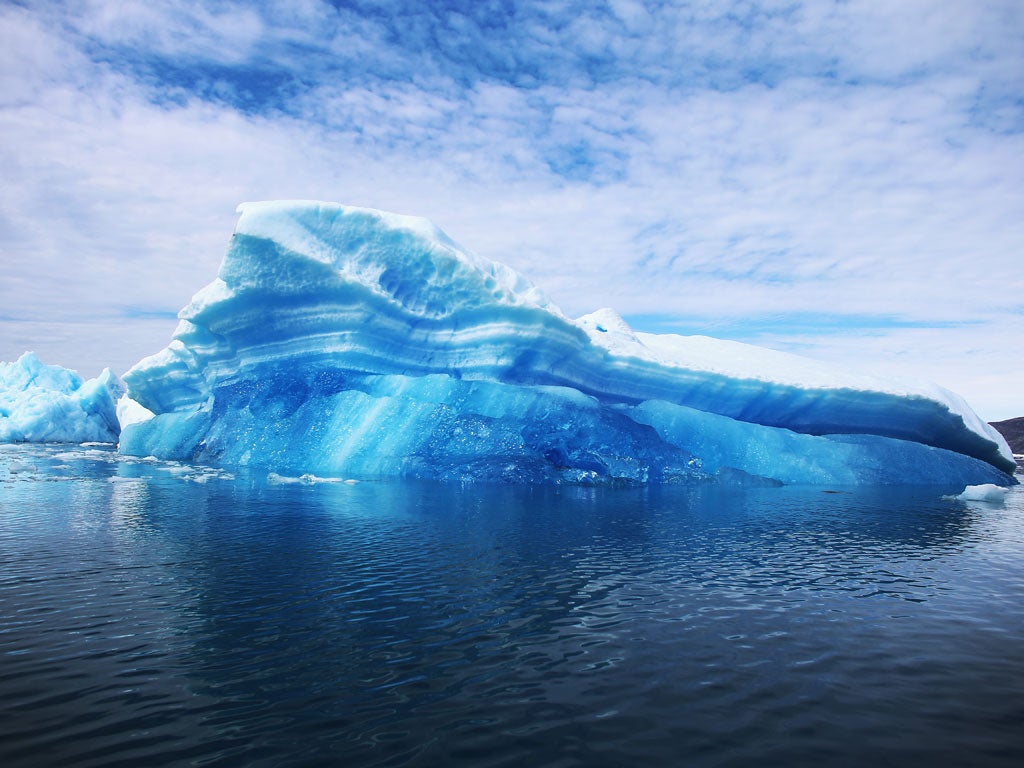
(341,341)
(46,403)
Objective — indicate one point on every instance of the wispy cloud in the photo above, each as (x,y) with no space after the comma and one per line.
(719,163)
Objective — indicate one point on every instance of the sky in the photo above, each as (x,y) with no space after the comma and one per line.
(842,180)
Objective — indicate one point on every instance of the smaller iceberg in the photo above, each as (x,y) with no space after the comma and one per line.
(986,492)
(49,404)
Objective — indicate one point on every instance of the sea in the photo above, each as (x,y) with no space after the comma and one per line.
(161,614)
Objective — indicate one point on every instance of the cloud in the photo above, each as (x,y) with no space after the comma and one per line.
(725,164)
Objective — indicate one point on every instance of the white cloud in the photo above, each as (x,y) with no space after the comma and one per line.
(228,35)
(638,177)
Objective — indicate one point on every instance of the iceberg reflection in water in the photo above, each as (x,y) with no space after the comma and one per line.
(159,613)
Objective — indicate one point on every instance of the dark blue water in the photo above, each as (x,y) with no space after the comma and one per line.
(155,614)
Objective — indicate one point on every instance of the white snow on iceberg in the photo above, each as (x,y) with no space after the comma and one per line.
(348,342)
(46,403)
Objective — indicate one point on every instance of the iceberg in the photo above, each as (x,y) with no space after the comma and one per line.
(48,404)
(987,492)
(346,342)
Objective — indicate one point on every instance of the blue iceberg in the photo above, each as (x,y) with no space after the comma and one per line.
(348,342)
(47,403)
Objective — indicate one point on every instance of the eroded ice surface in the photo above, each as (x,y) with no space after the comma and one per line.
(341,341)
(46,403)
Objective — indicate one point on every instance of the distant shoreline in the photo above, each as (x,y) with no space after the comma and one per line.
(1013,431)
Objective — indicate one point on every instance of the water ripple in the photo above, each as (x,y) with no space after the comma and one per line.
(146,619)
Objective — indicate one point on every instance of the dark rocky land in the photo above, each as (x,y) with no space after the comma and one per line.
(1013,431)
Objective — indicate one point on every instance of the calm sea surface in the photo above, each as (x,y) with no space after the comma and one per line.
(156,614)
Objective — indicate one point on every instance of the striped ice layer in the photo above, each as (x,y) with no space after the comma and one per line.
(351,342)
